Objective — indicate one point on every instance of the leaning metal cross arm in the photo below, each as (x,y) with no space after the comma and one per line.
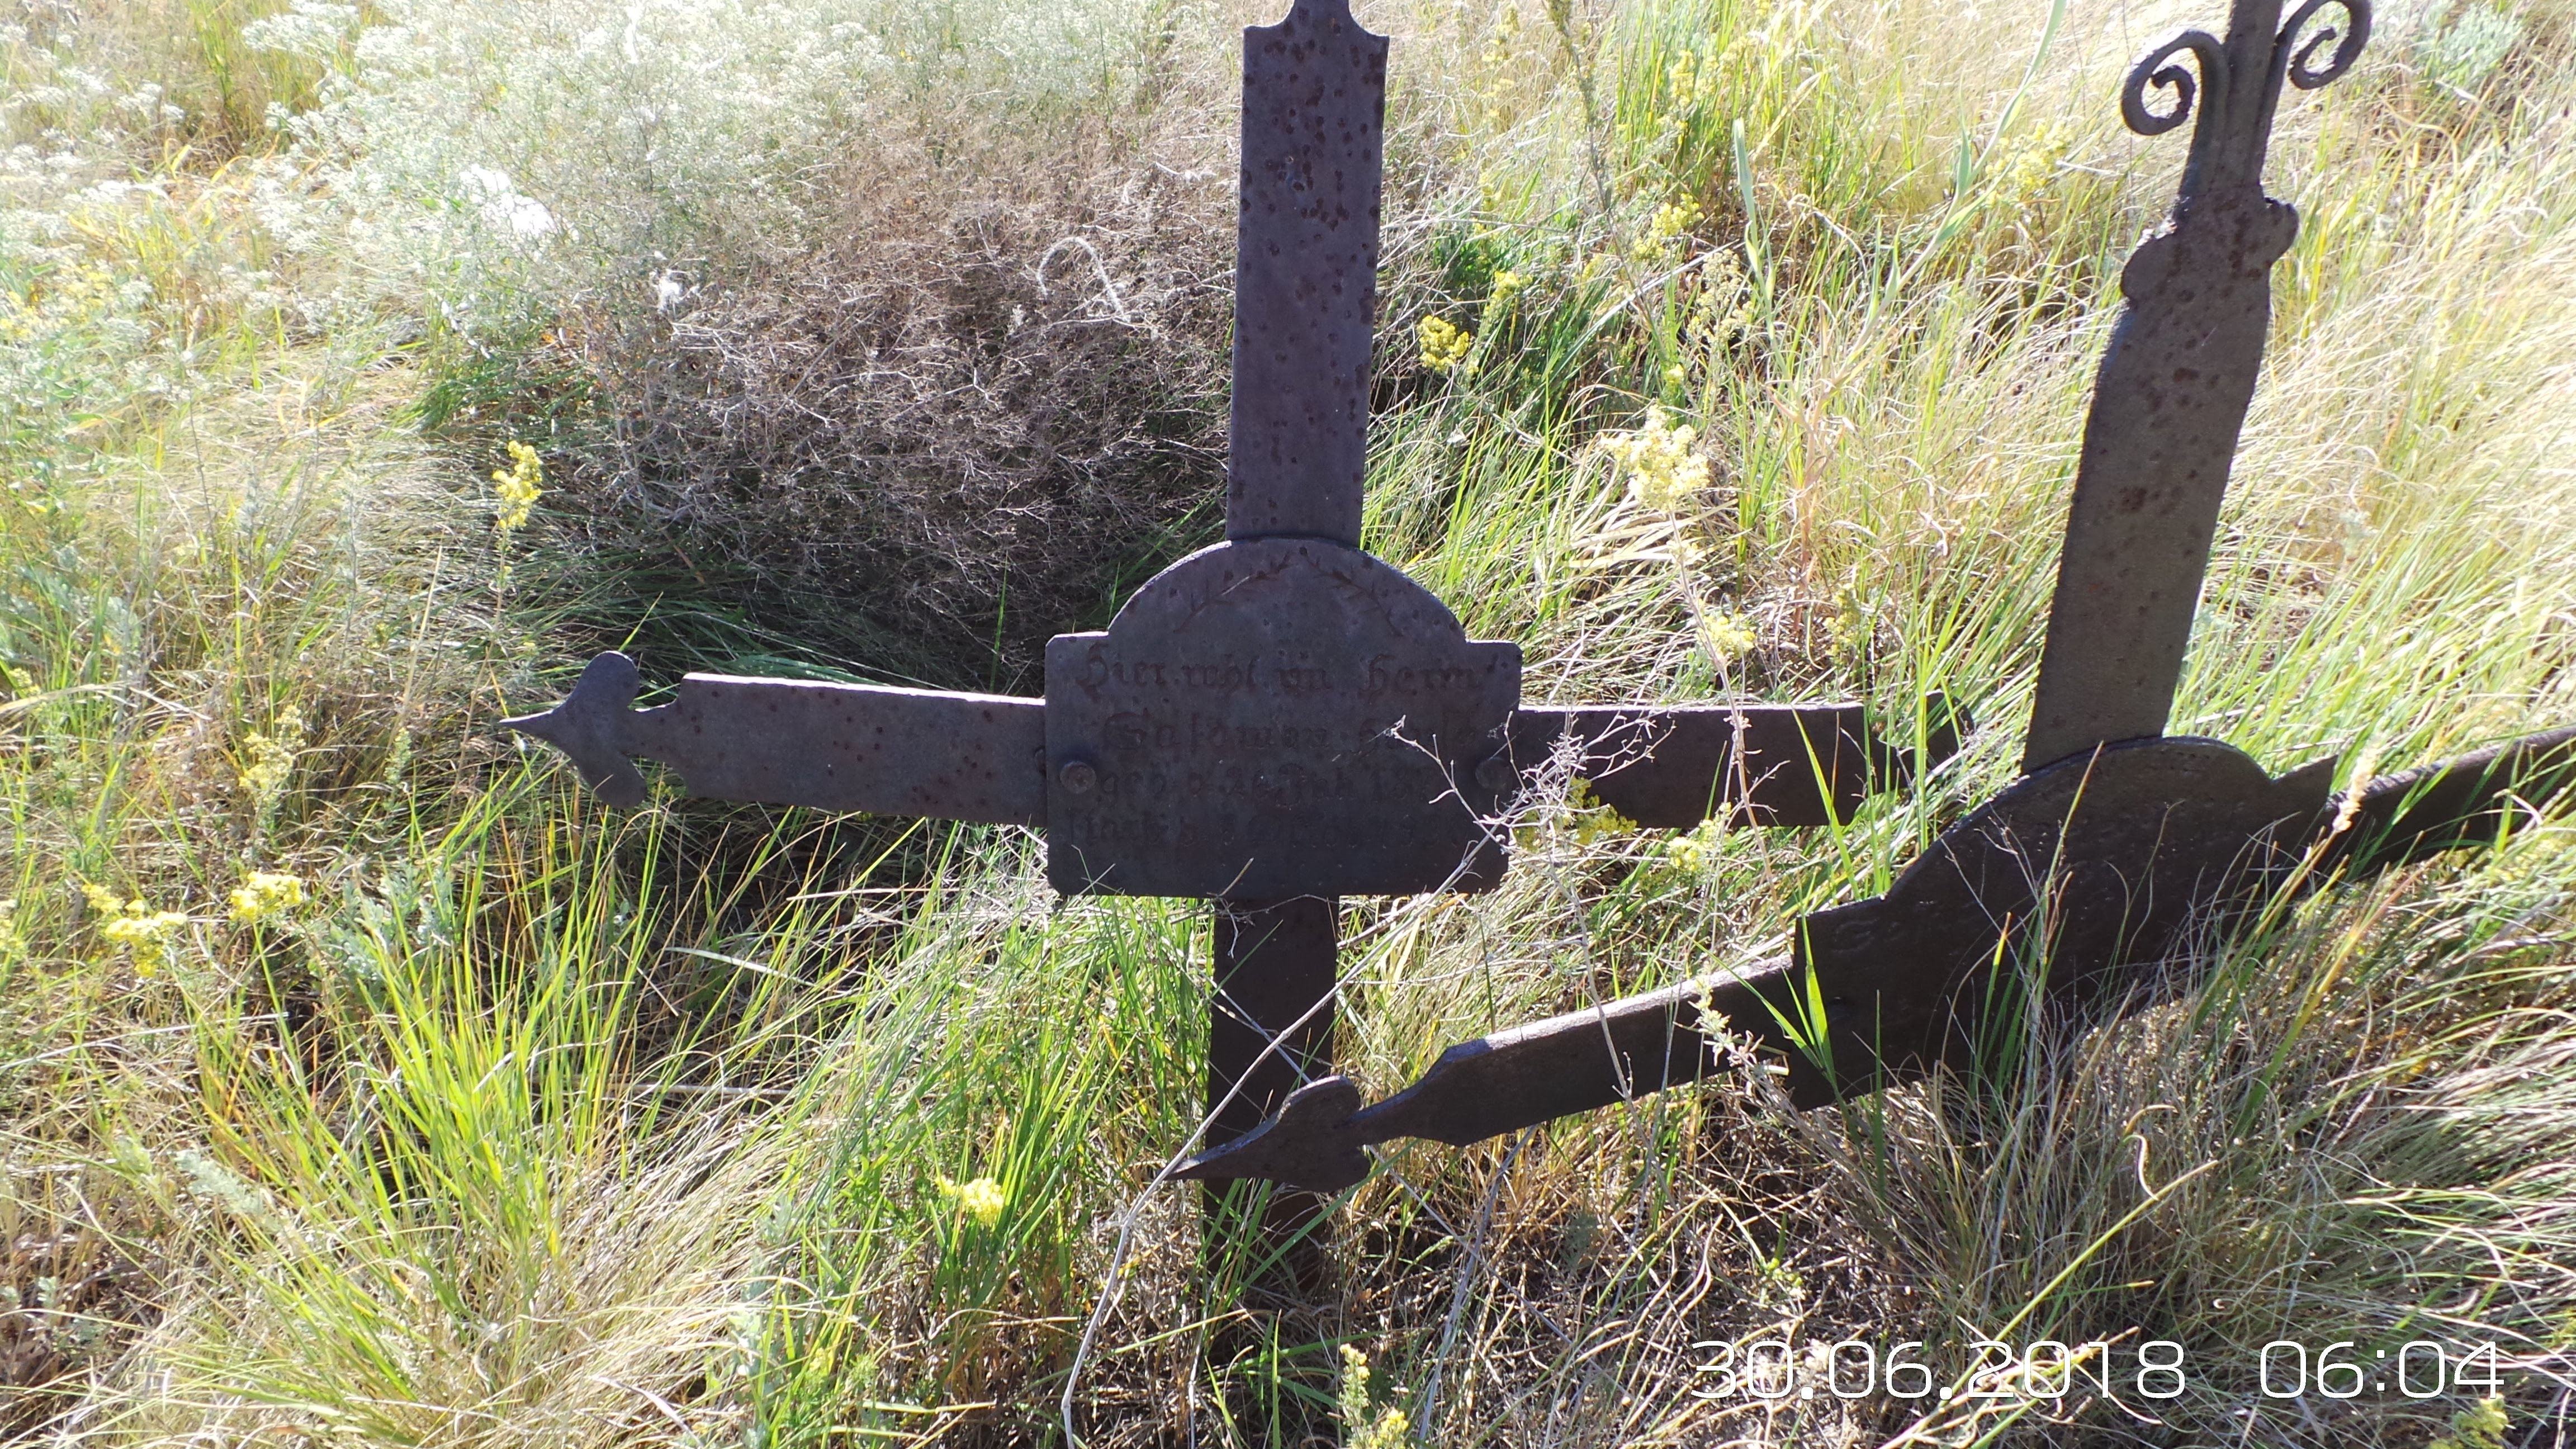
(2160,838)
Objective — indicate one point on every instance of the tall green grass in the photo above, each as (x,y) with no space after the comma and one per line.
(534,1124)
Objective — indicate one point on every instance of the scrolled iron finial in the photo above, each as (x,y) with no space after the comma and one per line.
(2348,41)
(2157,68)
(2233,127)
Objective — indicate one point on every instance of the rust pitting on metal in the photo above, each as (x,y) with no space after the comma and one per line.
(2188,341)
(1241,715)
(1314,95)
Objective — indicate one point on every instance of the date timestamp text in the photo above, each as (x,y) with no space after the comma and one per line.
(2155,1368)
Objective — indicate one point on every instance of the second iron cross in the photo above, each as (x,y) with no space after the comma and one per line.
(1276,721)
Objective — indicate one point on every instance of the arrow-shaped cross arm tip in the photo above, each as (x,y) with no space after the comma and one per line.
(1512,1079)
(864,747)
(591,728)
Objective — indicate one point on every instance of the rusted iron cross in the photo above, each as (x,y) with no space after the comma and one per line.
(1275,721)
(2118,846)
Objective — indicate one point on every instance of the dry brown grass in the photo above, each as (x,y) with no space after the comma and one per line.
(986,404)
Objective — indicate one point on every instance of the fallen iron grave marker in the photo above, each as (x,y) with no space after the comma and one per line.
(2116,843)
(1283,719)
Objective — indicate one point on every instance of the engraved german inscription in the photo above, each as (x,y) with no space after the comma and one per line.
(1275,717)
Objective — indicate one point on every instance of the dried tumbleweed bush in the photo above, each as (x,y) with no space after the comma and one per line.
(1002,380)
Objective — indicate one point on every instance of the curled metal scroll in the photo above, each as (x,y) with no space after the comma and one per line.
(2232,87)
(2157,68)
(2348,41)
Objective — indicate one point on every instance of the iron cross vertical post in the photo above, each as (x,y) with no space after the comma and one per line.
(1278,720)
(1305,311)
(1313,710)
(2170,399)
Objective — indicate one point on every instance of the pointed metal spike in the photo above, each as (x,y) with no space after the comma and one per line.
(589,727)
(1310,1144)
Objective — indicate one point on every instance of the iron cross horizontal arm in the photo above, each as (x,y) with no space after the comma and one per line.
(1281,714)
(2148,837)
(1274,721)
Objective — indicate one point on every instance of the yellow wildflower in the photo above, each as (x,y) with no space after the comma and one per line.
(1689,82)
(1444,347)
(1663,473)
(517,488)
(266,893)
(1727,636)
(2479,1426)
(1387,1429)
(2030,162)
(272,756)
(1592,819)
(135,926)
(1852,625)
(1664,233)
(1723,309)
(980,1201)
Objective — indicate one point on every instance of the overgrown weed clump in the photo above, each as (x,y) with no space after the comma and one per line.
(973,413)
(911,401)
(361,1081)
